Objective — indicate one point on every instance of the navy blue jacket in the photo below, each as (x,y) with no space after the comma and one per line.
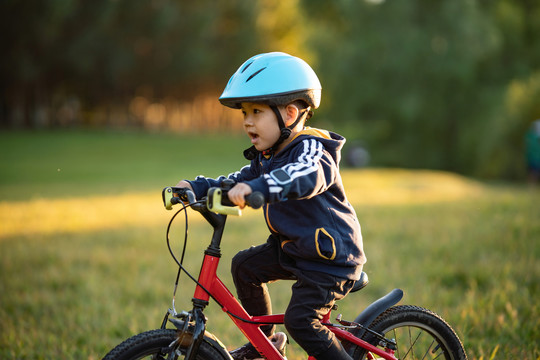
(311,215)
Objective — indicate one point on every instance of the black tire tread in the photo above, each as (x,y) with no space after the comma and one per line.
(402,313)
(155,339)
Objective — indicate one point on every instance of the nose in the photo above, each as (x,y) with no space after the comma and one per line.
(248,121)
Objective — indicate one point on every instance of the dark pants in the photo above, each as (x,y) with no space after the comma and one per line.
(313,295)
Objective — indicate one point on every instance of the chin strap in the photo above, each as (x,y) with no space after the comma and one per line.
(251,153)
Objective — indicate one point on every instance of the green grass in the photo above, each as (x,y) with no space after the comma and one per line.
(72,163)
(82,268)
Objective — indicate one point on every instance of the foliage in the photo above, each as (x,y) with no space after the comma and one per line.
(422,88)
(509,129)
(423,84)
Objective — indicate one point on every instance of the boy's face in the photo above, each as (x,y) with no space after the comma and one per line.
(261,125)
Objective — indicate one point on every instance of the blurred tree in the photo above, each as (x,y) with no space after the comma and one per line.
(504,152)
(402,75)
(105,51)
(102,51)
(282,26)
(422,83)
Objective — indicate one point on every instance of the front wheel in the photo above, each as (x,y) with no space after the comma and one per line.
(155,344)
(419,334)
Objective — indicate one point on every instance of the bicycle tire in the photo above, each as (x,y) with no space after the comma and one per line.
(418,332)
(149,345)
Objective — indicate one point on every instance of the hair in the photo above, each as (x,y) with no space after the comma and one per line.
(300,104)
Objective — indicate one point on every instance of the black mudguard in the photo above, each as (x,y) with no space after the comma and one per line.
(376,308)
(370,313)
(217,344)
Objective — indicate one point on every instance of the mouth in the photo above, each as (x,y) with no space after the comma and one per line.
(253,136)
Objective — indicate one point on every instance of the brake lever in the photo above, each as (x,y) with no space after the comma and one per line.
(169,200)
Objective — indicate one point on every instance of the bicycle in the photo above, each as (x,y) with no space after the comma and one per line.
(383,330)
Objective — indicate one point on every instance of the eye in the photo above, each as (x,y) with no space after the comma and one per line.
(256,111)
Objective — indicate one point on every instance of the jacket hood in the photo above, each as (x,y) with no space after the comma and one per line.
(333,143)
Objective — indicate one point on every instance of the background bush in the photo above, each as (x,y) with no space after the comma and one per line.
(441,85)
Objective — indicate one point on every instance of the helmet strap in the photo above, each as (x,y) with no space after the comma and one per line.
(285,130)
(280,121)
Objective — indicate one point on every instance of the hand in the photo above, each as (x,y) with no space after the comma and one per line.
(238,193)
(183,184)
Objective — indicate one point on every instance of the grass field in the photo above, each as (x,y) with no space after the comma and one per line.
(84,265)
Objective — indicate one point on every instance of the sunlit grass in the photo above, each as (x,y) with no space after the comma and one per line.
(99,264)
(400,186)
(79,214)
(81,269)
(94,213)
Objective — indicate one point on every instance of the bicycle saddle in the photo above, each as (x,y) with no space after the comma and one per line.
(360,283)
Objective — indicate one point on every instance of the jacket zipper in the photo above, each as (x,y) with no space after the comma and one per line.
(265,169)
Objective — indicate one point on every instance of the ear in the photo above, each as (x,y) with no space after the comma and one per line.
(291,112)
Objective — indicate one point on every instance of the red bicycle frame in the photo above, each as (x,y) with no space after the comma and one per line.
(209,285)
(250,325)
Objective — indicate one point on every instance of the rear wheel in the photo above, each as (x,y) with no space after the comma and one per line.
(419,334)
(155,344)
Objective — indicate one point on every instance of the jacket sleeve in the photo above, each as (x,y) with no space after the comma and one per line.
(311,170)
(201,184)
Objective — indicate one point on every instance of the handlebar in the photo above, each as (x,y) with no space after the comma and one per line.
(216,201)
(254,200)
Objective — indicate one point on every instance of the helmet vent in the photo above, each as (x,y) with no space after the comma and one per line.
(255,74)
(245,67)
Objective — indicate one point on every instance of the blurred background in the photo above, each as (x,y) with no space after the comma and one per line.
(447,85)
(105,102)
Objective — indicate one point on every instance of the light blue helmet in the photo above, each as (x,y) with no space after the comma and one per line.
(274,78)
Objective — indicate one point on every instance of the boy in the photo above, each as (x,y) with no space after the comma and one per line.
(315,236)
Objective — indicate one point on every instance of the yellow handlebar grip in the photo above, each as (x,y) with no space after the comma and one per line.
(167,195)
(213,202)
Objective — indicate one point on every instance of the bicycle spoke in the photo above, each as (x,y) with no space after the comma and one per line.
(427,352)
(412,343)
(397,343)
(419,335)
(437,348)
(418,346)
